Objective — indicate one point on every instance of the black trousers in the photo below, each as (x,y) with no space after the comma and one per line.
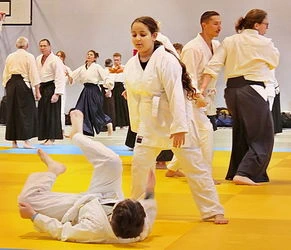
(49,114)
(21,113)
(276,113)
(252,131)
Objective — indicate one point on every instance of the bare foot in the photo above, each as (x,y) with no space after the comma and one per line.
(216,182)
(53,166)
(48,142)
(14,144)
(217,219)
(177,173)
(77,122)
(109,129)
(243,180)
(28,145)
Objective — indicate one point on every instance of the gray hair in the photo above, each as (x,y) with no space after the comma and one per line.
(21,42)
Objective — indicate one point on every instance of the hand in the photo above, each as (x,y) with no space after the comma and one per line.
(26,211)
(151,182)
(54,98)
(108,93)
(124,94)
(200,101)
(178,139)
(37,95)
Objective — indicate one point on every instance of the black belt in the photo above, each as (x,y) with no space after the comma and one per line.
(109,204)
(240,81)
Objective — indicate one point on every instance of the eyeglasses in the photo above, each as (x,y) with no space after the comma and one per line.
(267,25)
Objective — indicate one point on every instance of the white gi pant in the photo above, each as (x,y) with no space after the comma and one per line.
(105,183)
(205,134)
(196,169)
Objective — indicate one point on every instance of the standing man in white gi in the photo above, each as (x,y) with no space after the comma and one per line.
(51,70)
(195,55)
(19,77)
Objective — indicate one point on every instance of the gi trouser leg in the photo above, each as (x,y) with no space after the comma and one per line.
(253,137)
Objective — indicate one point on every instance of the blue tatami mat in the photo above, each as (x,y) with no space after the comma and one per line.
(68,149)
(59,149)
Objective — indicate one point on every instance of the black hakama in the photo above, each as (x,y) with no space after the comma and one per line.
(252,130)
(121,108)
(90,103)
(49,114)
(21,118)
(276,113)
(109,106)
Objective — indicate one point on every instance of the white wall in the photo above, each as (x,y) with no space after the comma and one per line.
(104,25)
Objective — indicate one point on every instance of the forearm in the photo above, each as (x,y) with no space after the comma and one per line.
(205,81)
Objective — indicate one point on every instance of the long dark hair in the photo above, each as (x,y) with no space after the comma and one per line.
(186,80)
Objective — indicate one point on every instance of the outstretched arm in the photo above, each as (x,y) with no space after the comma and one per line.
(149,205)
(151,183)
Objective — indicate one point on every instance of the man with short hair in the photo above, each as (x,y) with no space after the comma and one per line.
(53,81)
(101,215)
(195,55)
(19,77)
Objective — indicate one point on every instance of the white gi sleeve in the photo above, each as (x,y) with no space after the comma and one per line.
(191,59)
(216,62)
(60,78)
(150,207)
(86,230)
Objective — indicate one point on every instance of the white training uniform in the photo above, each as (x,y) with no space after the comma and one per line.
(167,43)
(52,70)
(16,63)
(94,74)
(272,88)
(195,55)
(157,109)
(81,217)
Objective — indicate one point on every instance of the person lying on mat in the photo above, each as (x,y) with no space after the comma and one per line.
(101,215)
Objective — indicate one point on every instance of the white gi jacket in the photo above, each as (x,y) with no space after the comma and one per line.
(87,222)
(93,74)
(196,54)
(52,70)
(247,54)
(167,43)
(155,98)
(21,62)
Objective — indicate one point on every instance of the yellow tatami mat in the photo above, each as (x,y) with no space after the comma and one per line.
(260,217)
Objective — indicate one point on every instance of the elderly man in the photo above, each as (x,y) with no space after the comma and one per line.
(19,77)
